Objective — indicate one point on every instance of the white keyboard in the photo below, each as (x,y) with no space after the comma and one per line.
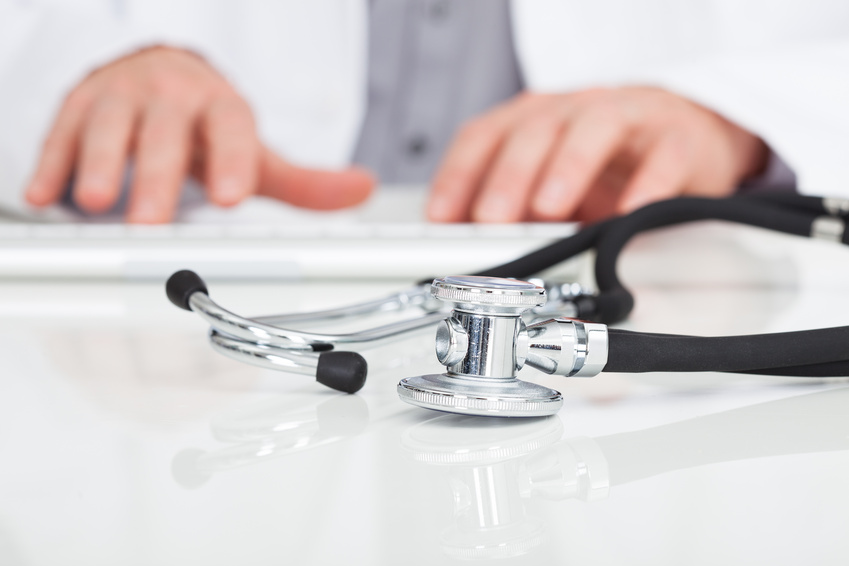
(313,250)
(265,239)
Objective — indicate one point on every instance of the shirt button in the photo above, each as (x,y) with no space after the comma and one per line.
(417,145)
(438,10)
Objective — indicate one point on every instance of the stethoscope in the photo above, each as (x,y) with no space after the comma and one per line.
(483,338)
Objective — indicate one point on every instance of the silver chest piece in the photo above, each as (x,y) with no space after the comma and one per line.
(485,342)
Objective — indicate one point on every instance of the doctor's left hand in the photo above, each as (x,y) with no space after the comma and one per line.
(588,155)
(175,115)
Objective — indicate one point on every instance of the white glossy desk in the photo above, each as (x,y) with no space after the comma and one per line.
(126,440)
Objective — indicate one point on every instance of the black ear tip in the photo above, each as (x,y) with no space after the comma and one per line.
(343,371)
(182,285)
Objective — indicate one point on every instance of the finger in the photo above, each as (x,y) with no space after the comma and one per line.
(509,182)
(661,175)
(58,153)
(462,170)
(590,141)
(311,188)
(161,163)
(232,151)
(104,146)
(468,158)
(606,190)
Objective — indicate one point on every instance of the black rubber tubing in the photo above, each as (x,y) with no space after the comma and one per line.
(798,202)
(666,213)
(792,201)
(792,214)
(552,254)
(822,352)
(615,302)
(808,353)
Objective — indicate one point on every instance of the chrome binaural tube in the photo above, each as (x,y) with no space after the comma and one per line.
(260,331)
(414,297)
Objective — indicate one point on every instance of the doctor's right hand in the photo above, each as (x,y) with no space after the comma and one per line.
(175,115)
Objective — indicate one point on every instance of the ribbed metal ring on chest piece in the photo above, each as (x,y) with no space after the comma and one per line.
(483,344)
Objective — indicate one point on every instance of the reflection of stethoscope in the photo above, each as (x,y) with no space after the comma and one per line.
(495,467)
(484,340)
(282,427)
(495,471)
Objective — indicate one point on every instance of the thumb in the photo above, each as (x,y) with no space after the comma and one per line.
(312,188)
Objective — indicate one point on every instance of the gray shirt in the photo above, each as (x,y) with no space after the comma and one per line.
(432,64)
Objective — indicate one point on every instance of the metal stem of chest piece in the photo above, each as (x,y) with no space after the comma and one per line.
(485,342)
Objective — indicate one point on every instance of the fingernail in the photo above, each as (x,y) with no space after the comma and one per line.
(144,213)
(440,209)
(495,209)
(92,193)
(36,194)
(94,183)
(551,196)
(228,190)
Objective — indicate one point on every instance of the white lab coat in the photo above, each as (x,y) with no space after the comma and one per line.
(778,68)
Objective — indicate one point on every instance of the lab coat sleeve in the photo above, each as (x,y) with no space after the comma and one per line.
(796,99)
(778,69)
(47,48)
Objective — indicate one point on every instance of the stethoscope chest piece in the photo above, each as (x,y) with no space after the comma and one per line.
(483,344)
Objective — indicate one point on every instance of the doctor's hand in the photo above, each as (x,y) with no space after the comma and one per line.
(589,155)
(175,115)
